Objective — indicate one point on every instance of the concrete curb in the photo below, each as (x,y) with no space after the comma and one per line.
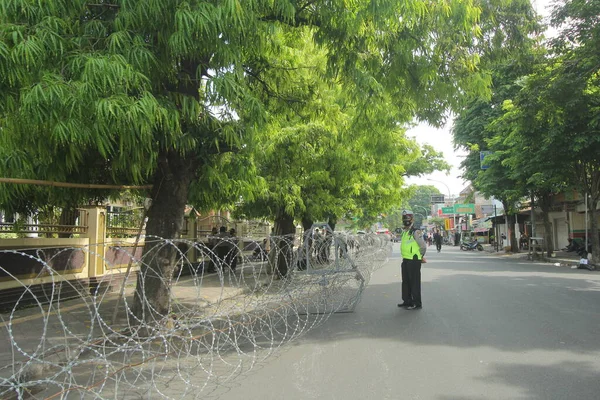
(572,263)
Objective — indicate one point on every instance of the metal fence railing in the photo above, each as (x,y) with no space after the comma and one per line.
(124,223)
(48,224)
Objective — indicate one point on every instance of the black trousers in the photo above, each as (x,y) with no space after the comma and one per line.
(411,281)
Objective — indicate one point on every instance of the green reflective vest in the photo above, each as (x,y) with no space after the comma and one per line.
(409,246)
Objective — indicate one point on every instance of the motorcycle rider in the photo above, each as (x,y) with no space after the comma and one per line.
(413,248)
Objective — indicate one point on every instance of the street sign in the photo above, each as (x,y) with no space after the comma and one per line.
(437,198)
(464,208)
(448,210)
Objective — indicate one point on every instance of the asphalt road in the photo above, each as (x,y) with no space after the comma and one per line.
(491,327)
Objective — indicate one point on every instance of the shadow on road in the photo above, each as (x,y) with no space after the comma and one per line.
(493,305)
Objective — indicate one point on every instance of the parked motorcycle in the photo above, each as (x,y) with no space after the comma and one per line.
(466,246)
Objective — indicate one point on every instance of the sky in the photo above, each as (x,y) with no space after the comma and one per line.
(541,6)
(441,139)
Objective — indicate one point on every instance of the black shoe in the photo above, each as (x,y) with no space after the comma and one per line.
(405,305)
(414,307)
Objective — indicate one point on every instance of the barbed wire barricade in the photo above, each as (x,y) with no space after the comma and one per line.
(233,303)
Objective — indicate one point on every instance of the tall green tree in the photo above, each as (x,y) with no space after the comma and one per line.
(320,160)
(509,54)
(163,90)
(530,153)
(574,92)
(553,119)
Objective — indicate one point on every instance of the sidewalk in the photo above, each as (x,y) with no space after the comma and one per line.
(221,325)
(560,258)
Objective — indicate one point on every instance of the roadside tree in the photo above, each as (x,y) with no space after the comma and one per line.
(551,125)
(509,54)
(162,91)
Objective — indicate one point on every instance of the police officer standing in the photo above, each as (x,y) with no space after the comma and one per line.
(413,248)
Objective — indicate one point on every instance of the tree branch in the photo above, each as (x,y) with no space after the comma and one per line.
(107,5)
(304,7)
(268,89)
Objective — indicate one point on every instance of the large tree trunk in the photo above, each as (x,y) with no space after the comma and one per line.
(548,242)
(283,243)
(152,299)
(307,243)
(545,202)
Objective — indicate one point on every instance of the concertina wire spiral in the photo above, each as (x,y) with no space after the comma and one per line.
(229,313)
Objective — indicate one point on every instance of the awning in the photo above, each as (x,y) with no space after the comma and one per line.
(477,230)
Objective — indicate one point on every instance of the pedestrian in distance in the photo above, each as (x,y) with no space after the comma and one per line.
(437,238)
(413,248)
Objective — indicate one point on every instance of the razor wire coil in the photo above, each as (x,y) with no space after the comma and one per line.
(229,310)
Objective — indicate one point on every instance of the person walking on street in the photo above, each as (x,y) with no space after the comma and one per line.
(413,248)
(437,238)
